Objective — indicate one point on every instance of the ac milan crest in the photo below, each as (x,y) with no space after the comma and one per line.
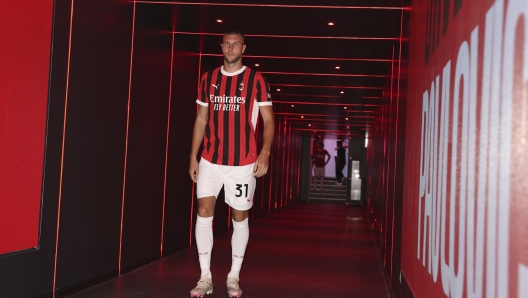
(241,86)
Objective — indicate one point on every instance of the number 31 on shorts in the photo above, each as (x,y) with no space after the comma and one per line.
(241,189)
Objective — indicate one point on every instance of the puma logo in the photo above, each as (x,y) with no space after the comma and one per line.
(216,86)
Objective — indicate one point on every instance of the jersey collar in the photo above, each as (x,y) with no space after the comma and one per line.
(230,74)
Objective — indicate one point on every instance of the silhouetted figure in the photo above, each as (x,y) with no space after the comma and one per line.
(340,162)
(321,158)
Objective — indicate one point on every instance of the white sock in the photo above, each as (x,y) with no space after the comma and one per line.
(238,246)
(204,243)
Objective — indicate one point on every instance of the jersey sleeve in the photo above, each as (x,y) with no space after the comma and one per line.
(263,93)
(202,99)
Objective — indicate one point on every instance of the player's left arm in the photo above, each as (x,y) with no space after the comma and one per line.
(262,163)
(328,159)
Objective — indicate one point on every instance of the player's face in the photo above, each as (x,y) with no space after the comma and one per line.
(232,47)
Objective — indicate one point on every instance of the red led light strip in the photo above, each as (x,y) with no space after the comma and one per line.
(295,36)
(62,154)
(324,103)
(396,139)
(283,164)
(388,163)
(307,58)
(275,94)
(323,74)
(321,130)
(270,182)
(325,115)
(279,168)
(330,123)
(320,86)
(167,150)
(194,184)
(275,5)
(126,141)
(288,168)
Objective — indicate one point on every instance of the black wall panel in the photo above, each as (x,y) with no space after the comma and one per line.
(147,143)
(94,146)
(179,197)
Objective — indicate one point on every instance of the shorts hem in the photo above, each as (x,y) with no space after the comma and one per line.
(199,197)
(240,207)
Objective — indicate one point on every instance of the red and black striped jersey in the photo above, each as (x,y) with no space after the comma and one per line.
(233,100)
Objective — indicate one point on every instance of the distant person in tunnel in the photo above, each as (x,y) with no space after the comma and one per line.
(340,162)
(321,158)
(230,98)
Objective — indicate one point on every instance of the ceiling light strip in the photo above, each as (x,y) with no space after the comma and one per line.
(309,58)
(322,86)
(295,36)
(325,103)
(323,74)
(324,115)
(273,5)
(313,95)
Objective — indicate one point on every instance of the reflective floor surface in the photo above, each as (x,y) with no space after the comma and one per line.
(307,250)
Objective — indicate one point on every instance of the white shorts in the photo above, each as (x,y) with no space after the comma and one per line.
(238,182)
(319,172)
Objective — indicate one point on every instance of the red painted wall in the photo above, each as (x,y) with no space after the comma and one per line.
(25,41)
(466,163)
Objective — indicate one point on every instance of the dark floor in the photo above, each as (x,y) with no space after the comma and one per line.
(307,250)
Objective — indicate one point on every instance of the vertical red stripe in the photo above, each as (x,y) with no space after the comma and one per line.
(270,182)
(388,163)
(126,141)
(167,149)
(290,167)
(244,118)
(396,138)
(62,153)
(229,217)
(279,168)
(284,185)
(193,186)
(299,161)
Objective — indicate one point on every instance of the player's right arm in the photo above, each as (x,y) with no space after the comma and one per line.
(198,134)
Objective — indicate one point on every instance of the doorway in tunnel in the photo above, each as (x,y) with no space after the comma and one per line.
(323,186)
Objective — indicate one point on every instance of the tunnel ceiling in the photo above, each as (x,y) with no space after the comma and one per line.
(298,52)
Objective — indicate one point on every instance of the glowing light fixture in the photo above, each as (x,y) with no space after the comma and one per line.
(344,108)
(309,125)
(219,21)
(293,106)
(302,117)
(337,67)
(342,92)
(257,65)
(346,118)
(331,24)
(278,90)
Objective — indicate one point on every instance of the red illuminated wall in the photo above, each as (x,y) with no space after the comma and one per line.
(466,164)
(25,41)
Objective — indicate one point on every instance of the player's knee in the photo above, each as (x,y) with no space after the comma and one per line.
(238,217)
(205,211)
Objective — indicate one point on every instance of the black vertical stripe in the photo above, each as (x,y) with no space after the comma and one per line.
(217,80)
(227,132)
(238,93)
(249,100)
